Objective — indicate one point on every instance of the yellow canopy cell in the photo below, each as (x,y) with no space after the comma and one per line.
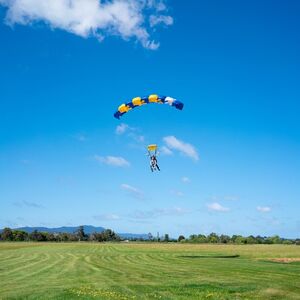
(137,101)
(152,147)
(153,98)
(123,108)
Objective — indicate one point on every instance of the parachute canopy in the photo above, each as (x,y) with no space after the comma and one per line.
(139,101)
(152,147)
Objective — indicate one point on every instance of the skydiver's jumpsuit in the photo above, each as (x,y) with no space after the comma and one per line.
(153,163)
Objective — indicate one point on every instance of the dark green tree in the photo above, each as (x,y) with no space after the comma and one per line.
(7,234)
(201,238)
(213,238)
(225,239)
(181,238)
(81,234)
(166,238)
(20,235)
(38,236)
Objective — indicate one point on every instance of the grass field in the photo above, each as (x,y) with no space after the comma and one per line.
(147,271)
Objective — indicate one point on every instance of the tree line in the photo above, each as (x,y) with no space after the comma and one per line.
(11,235)
(109,235)
(236,239)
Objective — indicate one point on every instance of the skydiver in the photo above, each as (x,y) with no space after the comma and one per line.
(153,163)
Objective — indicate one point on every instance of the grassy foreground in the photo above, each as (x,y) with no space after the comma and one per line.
(147,271)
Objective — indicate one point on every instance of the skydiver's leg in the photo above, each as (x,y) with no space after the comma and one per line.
(157,167)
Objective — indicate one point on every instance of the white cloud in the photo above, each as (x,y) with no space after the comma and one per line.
(263,208)
(131,132)
(185,148)
(115,161)
(159,212)
(165,150)
(159,5)
(133,191)
(26,203)
(177,193)
(217,207)
(93,18)
(122,128)
(154,20)
(136,137)
(185,179)
(107,217)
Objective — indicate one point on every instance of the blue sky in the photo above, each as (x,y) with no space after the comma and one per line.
(229,160)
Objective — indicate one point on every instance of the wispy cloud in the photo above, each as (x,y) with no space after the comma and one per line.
(263,209)
(131,132)
(140,139)
(115,161)
(217,207)
(122,128)
(177,193)
(81,137)
(26,203)
(159,212)
(107,217)
(133,191)
(187,149)
(231,198)
(93,18)
(185,179)
(166,20)
(165,151)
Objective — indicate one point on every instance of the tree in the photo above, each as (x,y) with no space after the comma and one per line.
(193,237)
(51,237)
(20,235)
(7,234)
(259,239)
(93,236)
(250,240)
(201,238)
(150,236)
(181,238)
(225,239)
(276,239)
(81,234)
(240,240)
(213,238)
(166,238)
(105,236)
(38,236)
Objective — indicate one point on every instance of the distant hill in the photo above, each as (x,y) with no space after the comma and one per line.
(134,236)
(65,229)
(87,229)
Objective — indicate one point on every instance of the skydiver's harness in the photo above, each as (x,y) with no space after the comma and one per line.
(153,162)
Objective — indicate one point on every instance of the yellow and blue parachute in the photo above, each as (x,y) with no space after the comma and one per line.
(139,101)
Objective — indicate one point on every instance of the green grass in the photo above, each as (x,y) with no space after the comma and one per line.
(147,271)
